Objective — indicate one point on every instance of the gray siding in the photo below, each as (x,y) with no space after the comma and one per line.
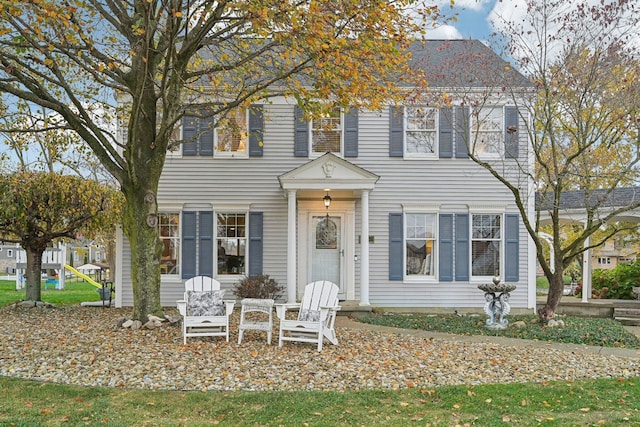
(451,183)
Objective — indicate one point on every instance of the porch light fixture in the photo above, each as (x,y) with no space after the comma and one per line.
(327,200)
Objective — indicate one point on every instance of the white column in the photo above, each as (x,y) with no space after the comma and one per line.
(586,272)
(292,273)
(364,248)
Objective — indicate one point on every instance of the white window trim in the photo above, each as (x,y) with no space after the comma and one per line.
(231,277)
(175,211)
(436,148)
(486,279)
(315,155)
(420,209)
(474,136)
(232,154)
(177,153)
(9,253)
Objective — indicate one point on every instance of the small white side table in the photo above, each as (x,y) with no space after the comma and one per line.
(255,305)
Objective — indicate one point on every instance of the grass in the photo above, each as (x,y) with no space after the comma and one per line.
(596,402)
(585,403)
(75,292)
(577,330)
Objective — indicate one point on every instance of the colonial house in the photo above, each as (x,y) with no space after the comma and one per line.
(386,203)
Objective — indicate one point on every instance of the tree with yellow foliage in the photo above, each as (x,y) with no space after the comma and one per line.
(582,119)
(158,58)
(40,208)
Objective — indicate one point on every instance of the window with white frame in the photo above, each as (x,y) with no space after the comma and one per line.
(486,243)
(169,230)
(231,133)
(488,131)
(231,246)
(326,133)
(604,260)
(9,253)
(421,131)
(420,244)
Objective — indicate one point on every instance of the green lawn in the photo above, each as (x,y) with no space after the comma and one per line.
(585,403)
(611,402)
(75,292)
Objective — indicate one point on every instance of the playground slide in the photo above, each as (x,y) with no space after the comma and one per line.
(83,276)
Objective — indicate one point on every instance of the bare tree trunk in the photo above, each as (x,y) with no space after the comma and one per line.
(139,225)
(556,287)
(34,280)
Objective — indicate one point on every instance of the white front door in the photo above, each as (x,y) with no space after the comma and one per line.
(326,251)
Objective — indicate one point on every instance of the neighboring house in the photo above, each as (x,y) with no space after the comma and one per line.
(8,258)
(572,209)
(613,252)
(386,204)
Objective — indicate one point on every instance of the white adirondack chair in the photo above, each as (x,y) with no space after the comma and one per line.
(316,315)
(203,309)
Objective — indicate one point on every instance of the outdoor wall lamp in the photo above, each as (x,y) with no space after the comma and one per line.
(327,200)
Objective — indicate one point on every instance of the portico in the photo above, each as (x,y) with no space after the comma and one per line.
(328,225)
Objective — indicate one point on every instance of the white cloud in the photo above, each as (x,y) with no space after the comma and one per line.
(444,32)
(465,4)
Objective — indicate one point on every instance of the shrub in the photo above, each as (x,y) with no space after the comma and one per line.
(616,283)
(258,286)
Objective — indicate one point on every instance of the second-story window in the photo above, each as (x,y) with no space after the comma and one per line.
(488,131)
(231,133)
(326,133)
(421,131)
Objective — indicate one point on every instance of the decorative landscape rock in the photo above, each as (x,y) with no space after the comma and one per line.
(555,323)
(78,345)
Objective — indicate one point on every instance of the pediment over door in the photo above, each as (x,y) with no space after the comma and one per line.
(328,172)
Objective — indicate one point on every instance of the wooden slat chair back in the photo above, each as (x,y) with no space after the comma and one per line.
(203,309)
(316,315)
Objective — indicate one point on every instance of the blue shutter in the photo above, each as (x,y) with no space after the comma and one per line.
(301,134)
(189,131)
(445,247)
(396,131)
(462,247)
(445,133)
(511,132)
(396,258)
(205,240)
(462,133)
(256,126)
(255,243)
(512,247)
(351,133)
(188,245)
(206,136)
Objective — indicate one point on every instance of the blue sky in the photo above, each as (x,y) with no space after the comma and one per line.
(473,19)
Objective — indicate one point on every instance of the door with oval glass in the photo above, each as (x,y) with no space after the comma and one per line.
(326,252)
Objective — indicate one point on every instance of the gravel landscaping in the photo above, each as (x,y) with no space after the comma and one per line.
(83,346)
